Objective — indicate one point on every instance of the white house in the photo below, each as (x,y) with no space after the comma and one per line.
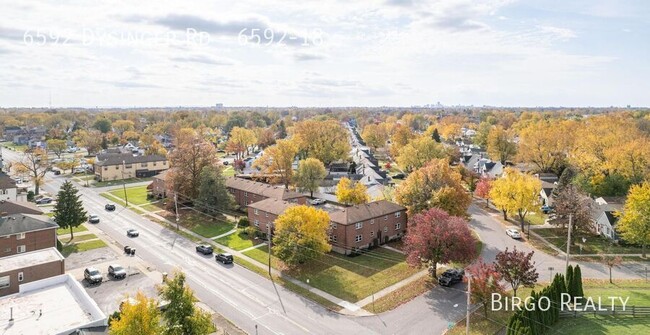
(604,215)
(8,188)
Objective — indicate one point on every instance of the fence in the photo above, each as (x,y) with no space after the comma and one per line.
(633,311)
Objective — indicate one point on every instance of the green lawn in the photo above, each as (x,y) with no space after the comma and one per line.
(111,198)
(348,278)
(84,246)
(229,171)
(11,145)
(120,182)
(200,223)
(153,207)
(77,238)
(237,241)
(135,195)
(593,245)
(212,229)
(63,231)
(536,218)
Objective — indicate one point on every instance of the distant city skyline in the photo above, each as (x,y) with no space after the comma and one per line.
(395,53)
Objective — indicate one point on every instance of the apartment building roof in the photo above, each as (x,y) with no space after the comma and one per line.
(271,205)
(358,213)
(24,223)
(6,182)
(8,207)
(28,259)
(118,159)
(269,191)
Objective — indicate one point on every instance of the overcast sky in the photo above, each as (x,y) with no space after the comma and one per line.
(325,53)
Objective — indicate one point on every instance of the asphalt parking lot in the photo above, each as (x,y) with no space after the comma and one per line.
(89,258)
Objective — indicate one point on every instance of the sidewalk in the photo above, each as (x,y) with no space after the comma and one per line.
(389,289)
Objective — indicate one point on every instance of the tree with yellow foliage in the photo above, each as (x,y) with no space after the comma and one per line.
(516,192)
(401,137)
(351,193)
(240,140)
(278,160)
(139,315)
(631,159)
(301,234)
(434,185)
(634,224)
(501,145)
(375,135)
(419,151)
(325,140)
(545,144)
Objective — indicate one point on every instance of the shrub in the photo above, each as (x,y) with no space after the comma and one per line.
(30,196)
(251,231)
(243,222)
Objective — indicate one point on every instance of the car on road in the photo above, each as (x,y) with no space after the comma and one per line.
(399,176)
(514,233)
(317,201)
(109,207)
(224,258)
(204,249)
(116,271)
(547,209)
(93,276)
(93,218)
(44,200)
(451,277)
(132,233)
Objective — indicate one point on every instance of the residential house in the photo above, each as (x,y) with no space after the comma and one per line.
(20,233)
(247,192)
(8,188)
(549,183)
(604,215)
(27,136)
(125,165)
(28,267)
(262,214)
(361,226)
(10,207)
(158,187)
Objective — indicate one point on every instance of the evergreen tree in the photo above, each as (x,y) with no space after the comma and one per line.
(577,278)
(181,316)
(69,211)
(213,195)
(569,280)
(104,143)
(435,135)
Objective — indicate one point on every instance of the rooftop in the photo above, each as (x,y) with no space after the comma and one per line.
(56,305)
(272,205)
(6,182)
(18,207)
(117,159)
(27,259)
(23,223)
(358,213)
(269,191)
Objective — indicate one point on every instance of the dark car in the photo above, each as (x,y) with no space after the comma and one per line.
(110,207)
(224,258)
(399,176)
(204,249)
(116,271)
(451,277)
(93,218)
(547,209)
(132,233)
(93,276)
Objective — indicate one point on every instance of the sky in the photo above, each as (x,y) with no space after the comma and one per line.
(324,53)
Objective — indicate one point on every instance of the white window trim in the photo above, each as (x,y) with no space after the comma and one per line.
(398,214)
(257,223)
(257,212)
(398,226)
(372,234)
(5,282)
(333,225)
(19,248)
(358,225)
(21,277)
(385,217)
(385,229)
(20,236)
(358,238)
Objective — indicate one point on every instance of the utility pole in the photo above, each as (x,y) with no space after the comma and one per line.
(126,199)
(568,242)
(268,235)
(469,295)
(176,207)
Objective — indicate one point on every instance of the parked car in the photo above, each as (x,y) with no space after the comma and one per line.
(92,276)
(109,207)
(44,200)
(132,233)
(451,277)
(399,176)
(514,233)
(547,209)
(317,201)
(116,271)
(224,258)
(204,249)
(93,218)
(226,162)
(79,170)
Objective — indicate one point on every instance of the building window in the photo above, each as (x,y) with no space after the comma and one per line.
(398,214)
(128,166)
(117,167)
(359,225)
(257,223)
(5,282)
(143,164)
(245,194)
(358,238)
(385,229)
(266,214)
(20,236)
(398,226)
(20,276)
(333,225)
(385,217)
(20,249)
(372,221)
(7,250)
(257,212)
(333,238)
(164,162)
(105,168)
(372,234)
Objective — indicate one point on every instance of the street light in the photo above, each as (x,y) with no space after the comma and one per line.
(126,199)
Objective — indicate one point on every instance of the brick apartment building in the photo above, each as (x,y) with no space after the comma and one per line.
(158,188)
(20,233)
(27,267)
(247,192)
(351,228)
(118,166)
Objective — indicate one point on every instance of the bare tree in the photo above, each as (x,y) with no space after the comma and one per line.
(35,163)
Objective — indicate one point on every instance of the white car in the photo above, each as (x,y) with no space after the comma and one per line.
(317,201)
(514,233)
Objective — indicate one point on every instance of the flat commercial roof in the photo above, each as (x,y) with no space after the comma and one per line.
(27,259)
(56,305)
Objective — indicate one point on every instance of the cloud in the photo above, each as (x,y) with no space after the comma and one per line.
(557,32)
(400,3)
(303,56)
(458,24)
(202,59)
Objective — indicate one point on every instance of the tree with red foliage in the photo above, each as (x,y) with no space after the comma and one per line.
(434,237)
(239,165)
(485,280)
(483,190)
(516,268)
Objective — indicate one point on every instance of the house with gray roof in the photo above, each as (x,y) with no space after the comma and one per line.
(605,215)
